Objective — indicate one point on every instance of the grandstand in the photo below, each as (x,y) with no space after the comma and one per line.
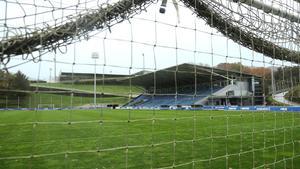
(196,86)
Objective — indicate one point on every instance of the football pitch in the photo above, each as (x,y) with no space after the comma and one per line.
(105,138)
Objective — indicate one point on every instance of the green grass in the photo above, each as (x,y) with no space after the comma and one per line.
(59,100)
(293,95)
(250,139)
(106,89)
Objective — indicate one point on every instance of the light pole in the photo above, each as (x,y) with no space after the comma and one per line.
(143,62)
(50,70)
(272,78)
(95,56)
(54,59)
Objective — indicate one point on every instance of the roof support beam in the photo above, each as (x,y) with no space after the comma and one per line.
(270,9)
(214,73)
(239,35)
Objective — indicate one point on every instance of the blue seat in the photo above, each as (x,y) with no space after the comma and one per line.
(185,97)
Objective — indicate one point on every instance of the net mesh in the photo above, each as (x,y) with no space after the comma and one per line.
(175,71)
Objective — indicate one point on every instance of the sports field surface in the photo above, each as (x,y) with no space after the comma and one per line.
(123,90)
(105,138)
(33,100)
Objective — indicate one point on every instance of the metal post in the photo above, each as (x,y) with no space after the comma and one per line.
(71,101)
(95,84)
(54,67)
(143,63)
(61,105)
(29,105)
(52,102)
(272,79)
(40,99)
(6,102)
(50,78)
(18,102)
(95,56)
(253,90)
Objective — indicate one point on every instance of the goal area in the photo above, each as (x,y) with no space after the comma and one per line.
(46,106)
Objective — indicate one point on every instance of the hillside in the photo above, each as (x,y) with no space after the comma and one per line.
(118,90)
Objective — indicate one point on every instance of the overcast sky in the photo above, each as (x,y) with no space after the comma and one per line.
(118,53)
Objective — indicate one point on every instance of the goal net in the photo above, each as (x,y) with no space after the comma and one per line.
(150,84)
(46,106)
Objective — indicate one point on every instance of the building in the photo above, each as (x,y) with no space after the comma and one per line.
(184,85)
(194,85)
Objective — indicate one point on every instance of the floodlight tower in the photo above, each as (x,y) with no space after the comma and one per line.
(95,56)
(143,62)
(54,59)
(272,78)
(50,78)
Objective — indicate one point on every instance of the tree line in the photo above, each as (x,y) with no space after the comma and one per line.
(17,81)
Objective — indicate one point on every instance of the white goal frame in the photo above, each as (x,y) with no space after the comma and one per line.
(46,106)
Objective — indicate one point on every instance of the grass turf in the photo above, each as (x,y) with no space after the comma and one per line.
(123,90)
(59,100)
(145,139)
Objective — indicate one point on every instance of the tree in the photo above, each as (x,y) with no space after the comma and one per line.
(231,66)
(8,84)
(258,71)
(20,81)
(5,80)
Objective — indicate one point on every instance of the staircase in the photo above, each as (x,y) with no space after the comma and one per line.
(258,93)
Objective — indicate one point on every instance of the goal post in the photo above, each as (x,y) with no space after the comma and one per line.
(46,106)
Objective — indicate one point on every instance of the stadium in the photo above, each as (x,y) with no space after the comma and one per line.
(185,84)
(197,86)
